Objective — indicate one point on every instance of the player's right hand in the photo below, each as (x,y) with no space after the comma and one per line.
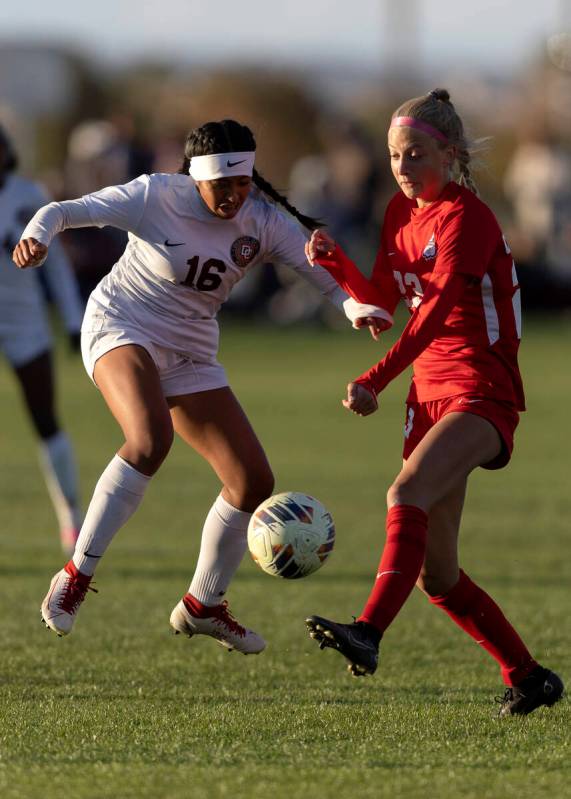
(29,252)
(320,244)
(360,400)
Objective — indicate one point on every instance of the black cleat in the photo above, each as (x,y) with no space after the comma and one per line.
(541,687)
(358,642)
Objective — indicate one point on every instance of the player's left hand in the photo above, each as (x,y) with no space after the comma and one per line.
(360,400)
(375,324)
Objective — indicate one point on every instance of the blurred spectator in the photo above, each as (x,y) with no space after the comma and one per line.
(96,157)
(538,182)
(101,152)
(340,186)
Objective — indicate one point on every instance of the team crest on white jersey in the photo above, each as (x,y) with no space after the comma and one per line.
(430,249)
(244,250)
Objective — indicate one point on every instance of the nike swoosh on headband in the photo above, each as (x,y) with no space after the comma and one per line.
(173,244)
(234,163)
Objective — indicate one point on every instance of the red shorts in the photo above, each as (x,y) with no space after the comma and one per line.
(421,416)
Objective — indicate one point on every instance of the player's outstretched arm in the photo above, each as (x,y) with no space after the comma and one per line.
(322,249)
(427,322)
(29,252)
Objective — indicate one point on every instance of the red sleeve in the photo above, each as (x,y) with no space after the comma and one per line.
(349,277)
(380,290)
(442,294)
(382,276)
(466,241)
(384,281)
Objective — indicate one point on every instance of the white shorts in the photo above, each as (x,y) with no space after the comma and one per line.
(178,373)
(23,343)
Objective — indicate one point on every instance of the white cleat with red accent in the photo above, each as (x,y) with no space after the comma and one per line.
(219,624)
(67,591)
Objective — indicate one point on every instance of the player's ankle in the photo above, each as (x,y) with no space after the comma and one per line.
(373,632)
(197,608)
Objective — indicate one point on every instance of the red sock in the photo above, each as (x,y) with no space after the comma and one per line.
(400,565)
(73,571)
(477,614)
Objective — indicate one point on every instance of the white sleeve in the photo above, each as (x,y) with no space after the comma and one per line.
(119,206)
(287,244)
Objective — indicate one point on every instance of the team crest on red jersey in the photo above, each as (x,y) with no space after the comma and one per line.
(244,250)
(430,249)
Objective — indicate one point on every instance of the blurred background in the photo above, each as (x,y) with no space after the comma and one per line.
(94,94)
(98,94)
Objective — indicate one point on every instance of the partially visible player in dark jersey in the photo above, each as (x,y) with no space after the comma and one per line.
(443,253)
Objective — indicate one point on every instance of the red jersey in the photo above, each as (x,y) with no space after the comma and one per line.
(453,245)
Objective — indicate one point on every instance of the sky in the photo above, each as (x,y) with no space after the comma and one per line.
(496,35)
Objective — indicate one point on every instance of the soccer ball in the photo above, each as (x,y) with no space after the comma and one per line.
(291,535)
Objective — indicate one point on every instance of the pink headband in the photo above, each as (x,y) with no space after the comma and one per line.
(411,122)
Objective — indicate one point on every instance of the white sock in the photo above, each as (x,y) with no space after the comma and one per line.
(117,496)
(58,465)
(222,548)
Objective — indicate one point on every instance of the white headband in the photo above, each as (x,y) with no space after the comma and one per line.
(221,165)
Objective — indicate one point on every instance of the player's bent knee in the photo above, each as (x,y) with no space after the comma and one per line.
(264,487)
(403,492)
(257,487)
(147,450)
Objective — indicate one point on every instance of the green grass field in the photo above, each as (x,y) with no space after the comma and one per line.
(124,709)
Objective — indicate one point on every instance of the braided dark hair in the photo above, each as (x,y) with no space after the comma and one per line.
(436,109)
(230,136)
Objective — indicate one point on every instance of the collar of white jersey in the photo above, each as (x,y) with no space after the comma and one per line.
(221,165)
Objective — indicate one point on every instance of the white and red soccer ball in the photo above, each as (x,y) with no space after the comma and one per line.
(291,535)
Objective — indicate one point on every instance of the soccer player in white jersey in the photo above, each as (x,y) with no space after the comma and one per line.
(150,340)
(26,342)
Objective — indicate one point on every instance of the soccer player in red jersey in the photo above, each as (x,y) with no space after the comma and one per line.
(443,253)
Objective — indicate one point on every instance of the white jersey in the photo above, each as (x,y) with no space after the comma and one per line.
(181,260)
(21,296)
